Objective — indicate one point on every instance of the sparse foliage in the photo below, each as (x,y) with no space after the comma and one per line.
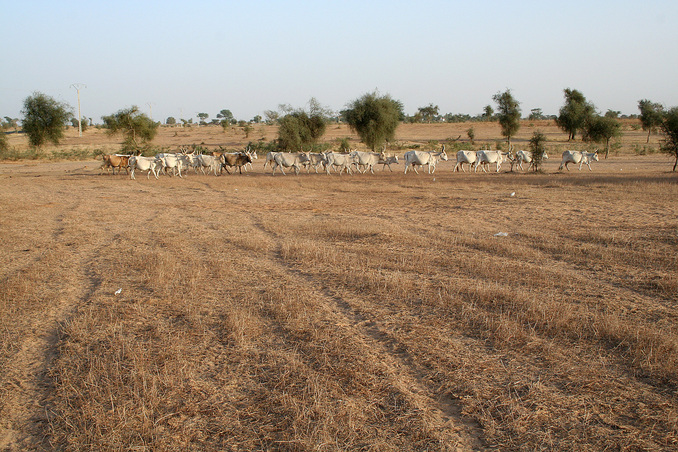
(508,113)
(136,127)
(471,134)
(538,148)
(650,116)
(669,128)
(374,118)
(44,119)
(272,116)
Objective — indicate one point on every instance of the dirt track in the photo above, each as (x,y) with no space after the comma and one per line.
(286,295)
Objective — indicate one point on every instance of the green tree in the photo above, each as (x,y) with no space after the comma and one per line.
(170,121)
(650,115)
(83,123)
(272,116)
(669,128)
(471,134)
(428,113)
(574,114)
(374,118)
(601,129)
(299,129)
(536,114)
(538,149)
(508,113)
(488,112)
(44,119)
(203,117)
(10,123)
(4,142)
(136,127)
(226,115)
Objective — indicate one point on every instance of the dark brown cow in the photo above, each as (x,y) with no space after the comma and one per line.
(237,160)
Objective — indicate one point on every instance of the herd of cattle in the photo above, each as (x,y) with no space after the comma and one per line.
(217,162)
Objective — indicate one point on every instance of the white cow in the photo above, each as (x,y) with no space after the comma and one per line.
(578,157)
(270,157)
(314,159)
(211,162)
(468,157)
(150,164)
(176,162)
(526,156)
(384,160)
(367,160)
(286,160)
(421,158)
(486,157)
(340,161)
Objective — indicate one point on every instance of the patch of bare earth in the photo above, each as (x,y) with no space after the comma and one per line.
(315,312)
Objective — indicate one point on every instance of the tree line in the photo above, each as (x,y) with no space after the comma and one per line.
(373,116)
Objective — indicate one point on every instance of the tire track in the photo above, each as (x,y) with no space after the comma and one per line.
(67,281)
(445,413)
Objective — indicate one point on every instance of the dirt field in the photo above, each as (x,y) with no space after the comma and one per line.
(315,312)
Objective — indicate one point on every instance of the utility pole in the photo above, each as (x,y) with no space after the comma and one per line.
(150,105)
(78,87)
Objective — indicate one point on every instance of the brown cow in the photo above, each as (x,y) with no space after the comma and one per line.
(238,159)
(115,161)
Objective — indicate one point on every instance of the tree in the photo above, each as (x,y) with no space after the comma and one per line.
(536,114)
(170,121)
(203,117)
(538,149)
(508,112)
(227,116)
(44,119)
(669,128)
(650,115)
(428,113)
(10,123)
(299,128)
(602,129)
(488,112)
(574,114)
(82,124)
(272,116)
(4,142)
(136,127)
(374,118)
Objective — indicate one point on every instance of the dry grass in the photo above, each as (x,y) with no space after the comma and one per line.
(340,313)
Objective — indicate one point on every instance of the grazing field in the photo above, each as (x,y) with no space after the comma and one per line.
(315,312)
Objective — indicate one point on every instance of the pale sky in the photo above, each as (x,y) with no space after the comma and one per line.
(188,57)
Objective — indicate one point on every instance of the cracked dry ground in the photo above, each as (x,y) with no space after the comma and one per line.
(335,313)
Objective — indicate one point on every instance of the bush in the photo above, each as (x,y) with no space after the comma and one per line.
(538,149)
